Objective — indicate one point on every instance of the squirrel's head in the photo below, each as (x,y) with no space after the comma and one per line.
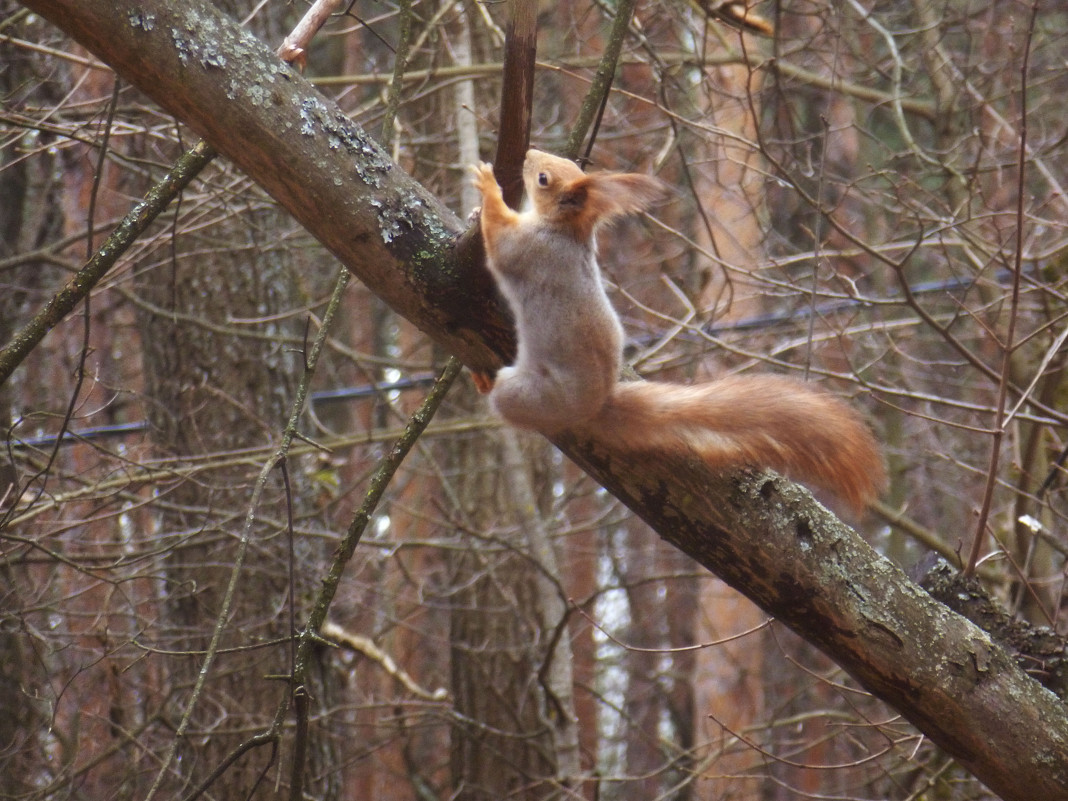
(553,184)
(561,193)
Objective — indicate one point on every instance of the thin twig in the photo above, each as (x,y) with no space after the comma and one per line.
(597,96)
(377,486)
(396,85)
(1008,346)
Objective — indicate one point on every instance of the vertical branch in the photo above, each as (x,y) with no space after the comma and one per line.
(555,674)
(517,98)
(466,119)
(396,84)
(1008,346)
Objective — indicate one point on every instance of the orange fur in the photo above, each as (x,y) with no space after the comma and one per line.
(764,420)
(563,195)
(565,378)
(495,217)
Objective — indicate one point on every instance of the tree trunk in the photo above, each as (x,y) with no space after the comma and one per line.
(210,393)
(497,640)
(22,719)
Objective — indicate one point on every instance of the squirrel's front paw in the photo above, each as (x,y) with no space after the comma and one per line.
(483,180)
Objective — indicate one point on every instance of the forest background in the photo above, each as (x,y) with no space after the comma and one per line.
(870,199)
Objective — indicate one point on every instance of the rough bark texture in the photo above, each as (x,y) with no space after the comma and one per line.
(1037,649)
(494,641)
(764,536)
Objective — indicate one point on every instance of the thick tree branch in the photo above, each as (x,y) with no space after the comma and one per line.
(764,536)
(1037,649)
(328,172)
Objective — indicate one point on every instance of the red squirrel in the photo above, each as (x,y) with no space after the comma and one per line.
(570,349)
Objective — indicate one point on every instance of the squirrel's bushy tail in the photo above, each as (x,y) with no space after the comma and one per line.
(763,421)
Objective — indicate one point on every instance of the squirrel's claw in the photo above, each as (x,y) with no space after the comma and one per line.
(483,179)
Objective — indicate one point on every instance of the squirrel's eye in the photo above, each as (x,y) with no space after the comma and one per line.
(543,179)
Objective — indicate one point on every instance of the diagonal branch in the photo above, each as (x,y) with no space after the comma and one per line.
(129,229)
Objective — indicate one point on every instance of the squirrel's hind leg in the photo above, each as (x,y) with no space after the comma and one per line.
(526,401)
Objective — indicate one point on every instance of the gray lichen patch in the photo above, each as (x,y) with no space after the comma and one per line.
(145,20)
(200,39)
(391,221)
(258,95)
(185,45)
(342,134)
(211,56)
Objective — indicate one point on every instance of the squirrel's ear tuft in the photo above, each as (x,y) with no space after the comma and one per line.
(618,194)
(639,192)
